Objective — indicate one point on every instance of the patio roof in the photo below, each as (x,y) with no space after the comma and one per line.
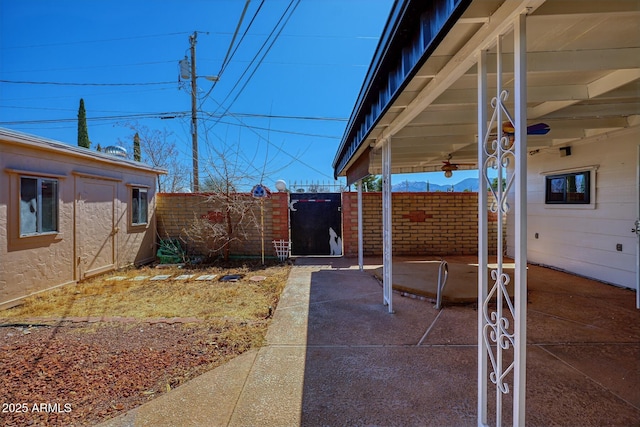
(583,79)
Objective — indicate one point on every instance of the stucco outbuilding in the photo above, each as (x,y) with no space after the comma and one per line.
(68,213)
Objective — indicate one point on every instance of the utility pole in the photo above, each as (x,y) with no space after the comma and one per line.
(194,118)
(188,71)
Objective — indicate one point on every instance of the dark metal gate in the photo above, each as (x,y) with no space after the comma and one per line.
(316,223)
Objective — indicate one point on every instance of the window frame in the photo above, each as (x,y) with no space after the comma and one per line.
(39,210)
(136,205)
(566,184)
(591,170)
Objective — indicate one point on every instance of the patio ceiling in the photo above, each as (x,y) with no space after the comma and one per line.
(583,63)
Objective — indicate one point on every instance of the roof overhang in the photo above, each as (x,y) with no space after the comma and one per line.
(583,79)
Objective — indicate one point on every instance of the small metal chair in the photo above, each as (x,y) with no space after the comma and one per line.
(443,274)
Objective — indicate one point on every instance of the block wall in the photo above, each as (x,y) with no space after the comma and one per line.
(423,223)
(436,223)
(181,215)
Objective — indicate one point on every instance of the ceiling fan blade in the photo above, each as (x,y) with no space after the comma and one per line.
(535,129)
(538,129)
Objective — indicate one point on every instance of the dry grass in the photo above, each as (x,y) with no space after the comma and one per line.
(106,368)
(244,300)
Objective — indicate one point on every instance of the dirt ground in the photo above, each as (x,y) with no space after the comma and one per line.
(61,371)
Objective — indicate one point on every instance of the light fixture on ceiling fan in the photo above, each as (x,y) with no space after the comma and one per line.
(449,167)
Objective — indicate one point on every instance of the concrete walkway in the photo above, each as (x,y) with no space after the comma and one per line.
(334,356)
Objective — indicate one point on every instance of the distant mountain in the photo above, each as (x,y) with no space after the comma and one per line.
(469,184)
(410,186)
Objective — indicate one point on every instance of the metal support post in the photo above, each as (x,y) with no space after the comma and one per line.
(360,228)
(387,283)
(502,328)
(483,202)
(520,284)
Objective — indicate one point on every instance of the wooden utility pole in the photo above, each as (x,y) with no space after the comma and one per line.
(194,118)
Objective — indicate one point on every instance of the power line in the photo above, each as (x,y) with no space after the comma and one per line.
(290,132)
(276,147)
(18,107)
(23,82)
(228,58)
(273,40)
(99,67)
(101,93)
(235,34)
(226,33)
(93,41)
(170,114)
(278,116)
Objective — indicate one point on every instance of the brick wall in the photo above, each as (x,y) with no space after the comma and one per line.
(423,223)
(180,215)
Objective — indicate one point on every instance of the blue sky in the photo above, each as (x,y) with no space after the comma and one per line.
(286,111)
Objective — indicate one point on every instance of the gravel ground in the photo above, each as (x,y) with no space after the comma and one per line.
(81,374)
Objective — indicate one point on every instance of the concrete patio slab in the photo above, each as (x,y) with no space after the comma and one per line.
(420,277)
(272,394)
(335,356)
(208,400)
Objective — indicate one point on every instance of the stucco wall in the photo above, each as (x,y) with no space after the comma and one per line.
(34,263)
(583,239)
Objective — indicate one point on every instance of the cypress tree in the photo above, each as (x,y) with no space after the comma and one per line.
(136,147)
(83,133)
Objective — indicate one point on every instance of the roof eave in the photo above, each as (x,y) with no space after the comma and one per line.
(40,143)
(387,59)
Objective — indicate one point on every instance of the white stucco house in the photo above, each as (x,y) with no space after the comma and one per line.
(68,213)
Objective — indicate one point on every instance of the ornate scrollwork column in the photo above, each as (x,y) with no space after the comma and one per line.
(502,161)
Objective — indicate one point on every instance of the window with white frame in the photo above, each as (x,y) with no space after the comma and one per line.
(38,206)
(139,206)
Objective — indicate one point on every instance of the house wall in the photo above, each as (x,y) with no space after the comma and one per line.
(182,216)
(438,223)
(583,239)
(35,263)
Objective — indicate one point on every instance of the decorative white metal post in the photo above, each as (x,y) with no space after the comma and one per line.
(520,272)
(360,228)
(483,246)
(502,327)
(387,280)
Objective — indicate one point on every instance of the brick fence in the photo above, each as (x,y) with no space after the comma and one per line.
(177,213)
(423,223)
(435,223)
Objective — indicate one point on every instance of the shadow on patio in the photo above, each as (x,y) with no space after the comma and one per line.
(418,366)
